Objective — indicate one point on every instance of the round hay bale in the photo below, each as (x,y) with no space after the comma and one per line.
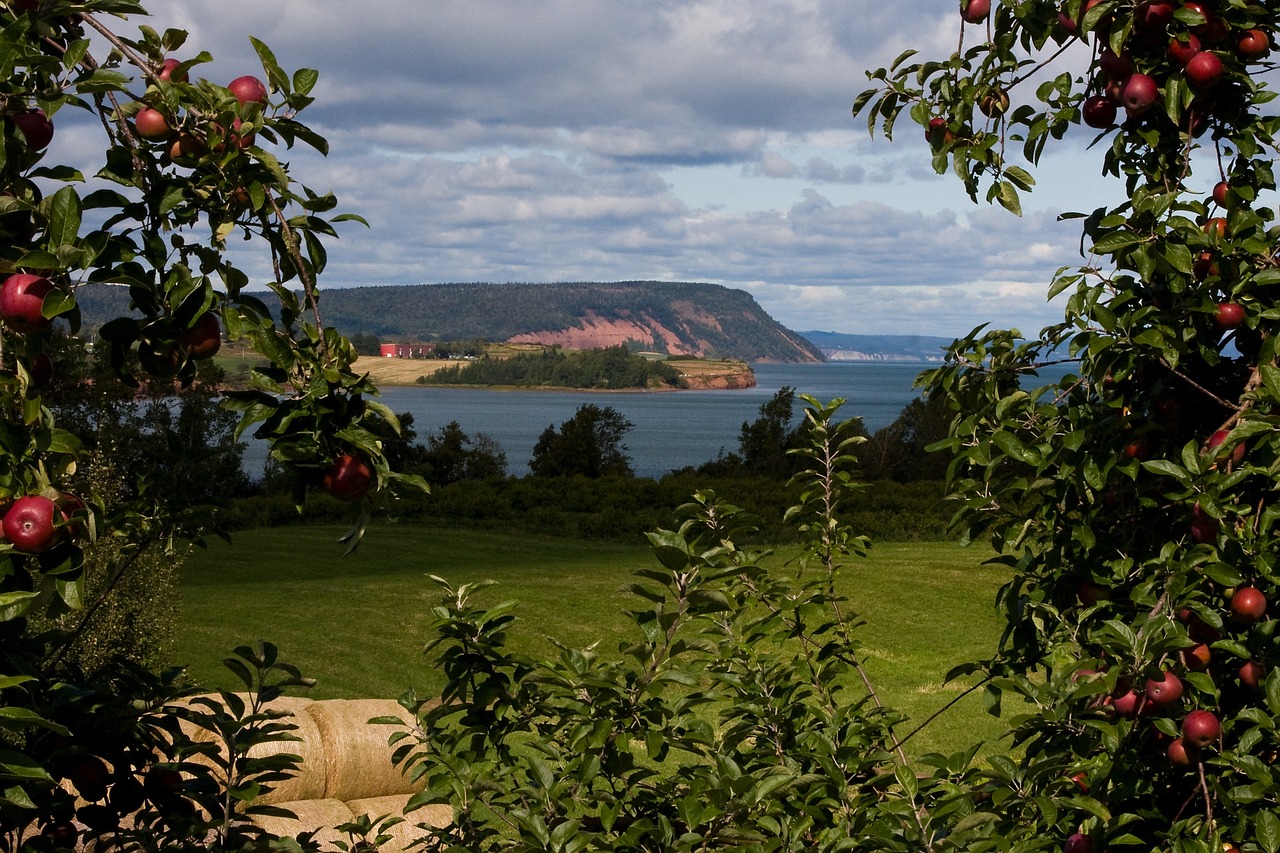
(319,816)
(309,783)
(402,834)
(356,753)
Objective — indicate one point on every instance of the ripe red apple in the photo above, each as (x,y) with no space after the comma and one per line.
(1235,456)
(1229,315)
(1082,782)
(1222,193)
(349,478)
(1099,112)
(1116,65)
(22,301)
(1164,690)
(1253,44)
(151,124)
(1204,70)
(1136,449)
(1181,753)
(1248,604)
(167,71)
(1200,728)
(1127,702)
(1215,226)
(1213,29)
(186,145)
(35,127)
(1182,52)
(1078,842)
(249,88)
(204,339)
(160,359)
(1153,15)
(1204,527)
(30,524)
(90,776)
(1139,93)
(1251,674)
(975,11)
(1197,658)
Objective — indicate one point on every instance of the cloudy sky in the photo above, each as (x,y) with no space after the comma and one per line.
(701,140)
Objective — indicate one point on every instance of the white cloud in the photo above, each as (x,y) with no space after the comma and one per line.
(544,140)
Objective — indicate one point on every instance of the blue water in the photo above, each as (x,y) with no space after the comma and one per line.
(671,429)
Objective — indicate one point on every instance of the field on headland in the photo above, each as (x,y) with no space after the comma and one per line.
(359,624)
(700,373)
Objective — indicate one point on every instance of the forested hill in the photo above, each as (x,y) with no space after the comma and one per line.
(678,318)
(672,317)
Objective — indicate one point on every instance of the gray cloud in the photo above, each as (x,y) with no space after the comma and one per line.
(538,140)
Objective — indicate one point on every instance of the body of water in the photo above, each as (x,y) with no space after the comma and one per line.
(672,429)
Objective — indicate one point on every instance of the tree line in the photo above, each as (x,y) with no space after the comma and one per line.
(603,368)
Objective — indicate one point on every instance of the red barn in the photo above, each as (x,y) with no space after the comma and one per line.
(402,350)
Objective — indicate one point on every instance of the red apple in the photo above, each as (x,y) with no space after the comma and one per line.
(1200,728)
(22,302)
(30,524)
(1248,604)
(1197,658)
(167,69)
(1229,315)
(1078,842)
(35,127)
(249,88)
(204,338)
(1117,66)
(1153,15)
(975,11)
(1205,266)
(1204,70)
(1213,29)
(1222,193)
(1164,690)
(349,478)
(1127,702)
(1216,440)
(1098,112)
(1204,527)
(1181,753)
(1182,52)
(161,359)
(1251,674)
(1082,782)
(1253,44)
(1136,449)
(151,124)
(1215,226)
(1139,93)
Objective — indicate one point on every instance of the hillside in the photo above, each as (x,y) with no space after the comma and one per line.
(676,318)
(901,348)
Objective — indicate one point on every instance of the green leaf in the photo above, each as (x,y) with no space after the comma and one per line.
(1268,831)
(65,214)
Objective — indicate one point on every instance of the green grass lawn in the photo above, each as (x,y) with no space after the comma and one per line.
(358,624)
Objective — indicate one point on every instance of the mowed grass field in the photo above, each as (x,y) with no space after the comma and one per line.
(358,624)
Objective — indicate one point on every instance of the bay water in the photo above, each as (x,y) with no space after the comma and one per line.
(671,429)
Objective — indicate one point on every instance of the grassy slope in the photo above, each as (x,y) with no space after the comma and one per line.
(359,624)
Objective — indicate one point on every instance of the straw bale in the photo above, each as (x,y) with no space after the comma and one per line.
(310,782)
(319,816)
(356,753)
(402,834)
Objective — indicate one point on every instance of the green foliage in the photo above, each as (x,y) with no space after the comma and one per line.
(737,717)
(589,444)
(119,468)
(1126,526)
(607,368)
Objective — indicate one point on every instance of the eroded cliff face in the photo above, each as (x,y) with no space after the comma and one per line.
(596,332)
